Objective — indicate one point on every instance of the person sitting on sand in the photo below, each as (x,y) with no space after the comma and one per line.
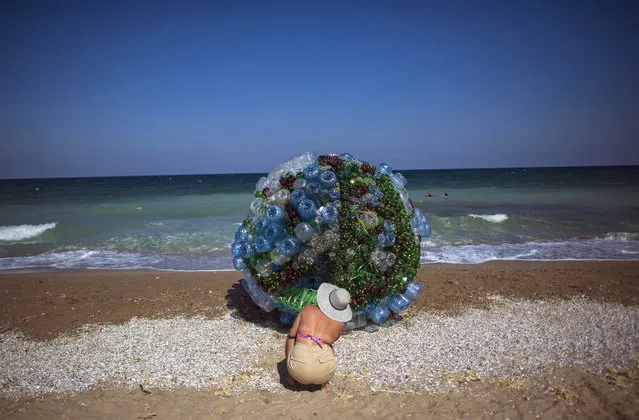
(310,358)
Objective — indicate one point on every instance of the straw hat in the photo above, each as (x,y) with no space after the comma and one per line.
(333,302)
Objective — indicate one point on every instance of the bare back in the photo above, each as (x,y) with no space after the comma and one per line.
(311,320)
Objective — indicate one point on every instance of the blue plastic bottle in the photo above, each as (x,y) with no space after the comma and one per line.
(313,191)
(296,197)
(379,314)
(304,232)
(413,290)
(328,179)
(275,233)
(329,214)
(246,250)
(238,263)
(236,249)
(383,169)
(275,214)
(399,303)
(262,245)
(265,301)
(311,172)
(290,246)
(242,234)
(307,209)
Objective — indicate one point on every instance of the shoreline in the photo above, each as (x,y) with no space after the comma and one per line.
(513,339)
(44,270)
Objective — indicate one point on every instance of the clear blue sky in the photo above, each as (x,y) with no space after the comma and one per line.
(97,88)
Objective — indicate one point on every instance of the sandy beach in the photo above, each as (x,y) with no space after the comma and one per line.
(574,326)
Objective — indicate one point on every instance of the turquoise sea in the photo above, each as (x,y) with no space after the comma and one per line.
(187,222)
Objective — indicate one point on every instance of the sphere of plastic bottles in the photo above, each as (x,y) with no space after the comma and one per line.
(331,218)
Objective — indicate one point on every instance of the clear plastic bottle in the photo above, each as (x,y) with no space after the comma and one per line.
(413,290)
(379,313)
(399,303)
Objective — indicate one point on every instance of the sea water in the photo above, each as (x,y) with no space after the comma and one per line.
(188,222)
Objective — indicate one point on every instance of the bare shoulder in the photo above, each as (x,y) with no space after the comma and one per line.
(310,310)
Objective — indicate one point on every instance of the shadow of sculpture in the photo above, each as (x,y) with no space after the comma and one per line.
(241,306)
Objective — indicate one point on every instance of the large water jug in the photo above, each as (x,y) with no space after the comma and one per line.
(296,197)
(275,214)
(313,191)
(311,172)
(290,246)
(242,234)
(304,232)
(398,303)
(238,263)
(307,209)
(265,301)
(379,314)
(329,214)
(328,179)
(413,290)
(262,245)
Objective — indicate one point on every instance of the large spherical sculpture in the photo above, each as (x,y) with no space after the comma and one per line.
(331,219)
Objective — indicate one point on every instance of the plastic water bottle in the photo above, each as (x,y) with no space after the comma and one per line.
(236,249)
(242,234)
(287,317)
(313,191)
(251,287)
(384,169)
(307,209)
(246,250)
(311,172)
(328,179)
(259,223)
(346,156)
(329,214)
(413,290)
(379,314)
(275,233)
(304,232)
(238,263)
(296,197)
(265,301)
(275,214)
(399,303)
(290,246)
(262,245)
(401,178)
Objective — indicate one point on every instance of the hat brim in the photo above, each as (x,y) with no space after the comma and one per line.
(324,303)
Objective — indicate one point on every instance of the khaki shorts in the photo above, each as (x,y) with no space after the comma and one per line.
(311,364)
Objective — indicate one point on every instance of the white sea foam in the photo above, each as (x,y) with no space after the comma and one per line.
(594,249)
(494,218)
(619,236)
(21,232)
